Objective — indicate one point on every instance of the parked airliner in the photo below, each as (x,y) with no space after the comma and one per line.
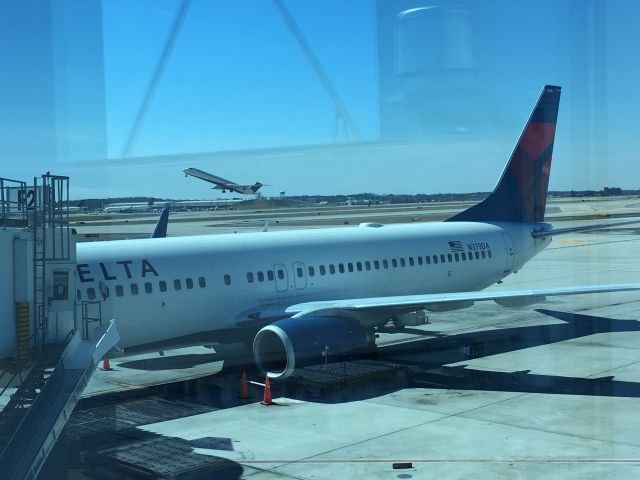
(295,297)
(222,184)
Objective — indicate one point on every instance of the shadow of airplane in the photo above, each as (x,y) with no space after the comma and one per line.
(426,363)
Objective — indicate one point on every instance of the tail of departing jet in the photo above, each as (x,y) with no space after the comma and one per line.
(521,193)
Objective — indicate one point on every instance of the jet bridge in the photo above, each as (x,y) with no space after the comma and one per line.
(48,351)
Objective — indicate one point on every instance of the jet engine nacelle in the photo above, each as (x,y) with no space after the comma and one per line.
(283,346)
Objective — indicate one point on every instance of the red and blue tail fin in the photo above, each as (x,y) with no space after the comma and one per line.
(521,193)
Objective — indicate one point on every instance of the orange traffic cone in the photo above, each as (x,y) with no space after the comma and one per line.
(105,364)
(267,393)
(244,387)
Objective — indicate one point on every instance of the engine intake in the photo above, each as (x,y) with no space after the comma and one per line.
(284,345)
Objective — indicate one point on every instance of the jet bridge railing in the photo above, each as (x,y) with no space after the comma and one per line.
(13,203)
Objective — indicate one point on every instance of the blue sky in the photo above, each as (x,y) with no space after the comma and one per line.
(237,80)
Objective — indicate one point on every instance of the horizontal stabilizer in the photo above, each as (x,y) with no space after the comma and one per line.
(583,228)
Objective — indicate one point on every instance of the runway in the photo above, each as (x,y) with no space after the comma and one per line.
(547,391)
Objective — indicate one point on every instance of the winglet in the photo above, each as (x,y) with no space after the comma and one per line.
(161,227)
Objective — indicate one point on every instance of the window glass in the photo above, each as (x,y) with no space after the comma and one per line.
(464,256)
(411,261)
(260,276)
(449,257)
(489,253)
(376,264)
(394,263)
(189,283)
(134,289)
(442,258)
(250,277)
(227,279)
(312,271)
(385,264)
(457,257)
(147,287)
(299,272)
(367,265)
(483,254)
(435,259)
(119,291)
(322,270)
(177,285)
(281,274)
(402,262)
(332,269)
(359,266)
(341,267)
(270,276)
(91,293)
(162,285)
(202,282)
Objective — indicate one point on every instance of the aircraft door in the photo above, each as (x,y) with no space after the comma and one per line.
(280,272)
(299,275)
(509,252)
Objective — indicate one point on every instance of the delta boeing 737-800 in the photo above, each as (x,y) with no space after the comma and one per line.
(294,297)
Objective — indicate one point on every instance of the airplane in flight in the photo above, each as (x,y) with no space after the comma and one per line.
(305,296)
(222,184)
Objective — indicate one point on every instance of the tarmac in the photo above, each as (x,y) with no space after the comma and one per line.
(546,391)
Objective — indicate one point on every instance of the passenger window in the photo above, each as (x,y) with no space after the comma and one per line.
(457,257)
(477,255)
(402,262)
(385,264)
(281,274)
(427,259)
(376,264)
(250,277)
(189,283)
(260,276)
(134,289)
(270,275)
(350,266)
(147,287)
(161,284)
(449,257)
(91,293)
(484,255)
(411,261)
(312,271)
(367,265)
(435,259)
(177,285)
(299,272)
(119,291)
(359,266)
(202,282)
(470,256)
(489,253)
(322,270)
(394,263)
(341,267)
(419,260)
(332,269)
(464,256)
(227,279)
(442,258)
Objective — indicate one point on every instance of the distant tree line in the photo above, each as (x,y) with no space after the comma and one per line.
(99,203)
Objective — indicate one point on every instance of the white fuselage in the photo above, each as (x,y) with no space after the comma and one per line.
(163,289)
